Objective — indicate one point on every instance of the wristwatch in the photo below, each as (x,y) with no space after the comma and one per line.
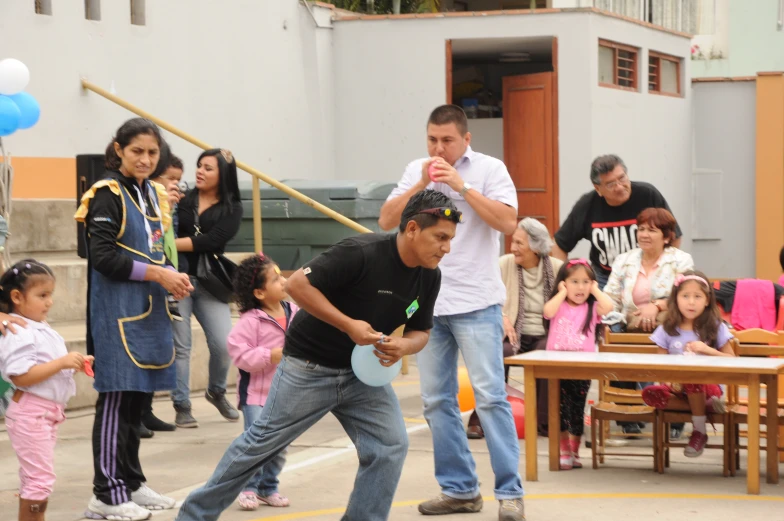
(466,187)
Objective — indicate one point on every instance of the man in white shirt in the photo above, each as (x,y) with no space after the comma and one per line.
(467,315)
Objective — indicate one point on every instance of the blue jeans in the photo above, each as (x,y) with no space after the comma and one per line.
(301,394)
(215,318)
(265,481)
(479,337)
(601,276)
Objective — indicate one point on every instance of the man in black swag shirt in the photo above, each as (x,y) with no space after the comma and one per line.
(607,216)
(356,293)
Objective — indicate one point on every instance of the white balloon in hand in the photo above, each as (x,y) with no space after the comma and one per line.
(368,368)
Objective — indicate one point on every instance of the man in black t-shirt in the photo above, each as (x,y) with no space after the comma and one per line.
(356,293)
(607,216)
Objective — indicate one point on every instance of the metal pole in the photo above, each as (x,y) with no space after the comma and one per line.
(256,215)
(252,171)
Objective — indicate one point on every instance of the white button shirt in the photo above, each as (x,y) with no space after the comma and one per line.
(470,273)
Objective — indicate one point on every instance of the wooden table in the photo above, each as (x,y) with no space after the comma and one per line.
(554,365)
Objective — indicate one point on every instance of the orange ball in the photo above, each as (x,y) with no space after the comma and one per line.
(465,393)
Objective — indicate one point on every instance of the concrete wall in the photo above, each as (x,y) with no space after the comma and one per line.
(385,106)
(724,152)
(652,133)
(252,76)
(754,43)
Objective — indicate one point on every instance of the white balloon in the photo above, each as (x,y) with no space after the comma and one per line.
(14,76)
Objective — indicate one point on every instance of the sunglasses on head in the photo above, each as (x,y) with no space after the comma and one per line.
(445,213)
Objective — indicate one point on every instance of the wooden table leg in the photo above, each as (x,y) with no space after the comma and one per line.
(531,472)
(753,470)
(772,455)
(554,422)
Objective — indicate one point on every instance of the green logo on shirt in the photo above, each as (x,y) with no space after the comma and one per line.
(412,309)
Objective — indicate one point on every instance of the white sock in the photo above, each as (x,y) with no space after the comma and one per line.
(699,423)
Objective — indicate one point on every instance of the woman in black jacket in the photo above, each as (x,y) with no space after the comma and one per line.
(209,217)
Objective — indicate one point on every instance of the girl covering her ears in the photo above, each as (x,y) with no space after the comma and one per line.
(693,326)
(573,312)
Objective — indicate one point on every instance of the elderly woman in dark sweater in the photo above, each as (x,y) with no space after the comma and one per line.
(528,274)
(209,217)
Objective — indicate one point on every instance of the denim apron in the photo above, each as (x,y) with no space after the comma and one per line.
(129,320)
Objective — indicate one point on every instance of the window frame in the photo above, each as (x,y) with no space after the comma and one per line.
(659,56)
(635,78)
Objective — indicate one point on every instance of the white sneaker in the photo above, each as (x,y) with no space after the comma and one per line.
(129,511)
(151,500)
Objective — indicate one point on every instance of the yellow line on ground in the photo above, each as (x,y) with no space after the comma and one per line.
(415,420)
(529,497)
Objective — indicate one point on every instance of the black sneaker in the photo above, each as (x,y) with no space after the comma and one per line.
(145,433)
(676,433)
(632,431)
(184,418)
(218,399)
(154,423)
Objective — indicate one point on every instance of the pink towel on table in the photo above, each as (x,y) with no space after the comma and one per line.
(754,305)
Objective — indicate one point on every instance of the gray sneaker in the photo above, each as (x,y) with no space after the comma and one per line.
(511,510)
(444,504)
(218,399)
(184,418)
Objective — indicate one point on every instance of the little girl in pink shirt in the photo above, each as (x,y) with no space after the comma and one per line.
(573,312)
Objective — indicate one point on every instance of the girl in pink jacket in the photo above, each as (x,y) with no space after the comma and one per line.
(255,345)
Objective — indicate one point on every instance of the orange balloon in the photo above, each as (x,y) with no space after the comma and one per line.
(465,393)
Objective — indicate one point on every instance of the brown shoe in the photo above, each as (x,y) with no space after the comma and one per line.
(475,432)
(511,510)
(30,510)
(444,504)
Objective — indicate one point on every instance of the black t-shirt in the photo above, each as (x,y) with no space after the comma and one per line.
(365,279)
(612,230)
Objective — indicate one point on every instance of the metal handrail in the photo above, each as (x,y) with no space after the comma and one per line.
(257,175)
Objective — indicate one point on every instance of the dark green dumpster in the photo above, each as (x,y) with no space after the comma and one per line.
(293,232)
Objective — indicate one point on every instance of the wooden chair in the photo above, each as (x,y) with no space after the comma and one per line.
(620,405)
(755,342)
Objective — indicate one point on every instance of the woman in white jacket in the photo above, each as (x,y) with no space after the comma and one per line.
(642,278)
(640,283)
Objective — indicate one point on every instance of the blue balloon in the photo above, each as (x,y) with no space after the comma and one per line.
(9,116)
(28,107)
(368,368)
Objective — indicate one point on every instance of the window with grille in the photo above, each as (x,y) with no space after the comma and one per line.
(43,7)
(137,12)
(664,74)
(92,10)
(617,65)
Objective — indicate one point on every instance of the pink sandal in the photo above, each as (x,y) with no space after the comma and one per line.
(275,500)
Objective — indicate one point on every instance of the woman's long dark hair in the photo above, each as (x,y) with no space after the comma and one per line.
(706,326)
(564,273)
(129,130)
(228,188)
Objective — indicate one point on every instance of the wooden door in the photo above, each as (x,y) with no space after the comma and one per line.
(530,145)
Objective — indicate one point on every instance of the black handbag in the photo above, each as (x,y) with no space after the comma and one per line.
(214,271)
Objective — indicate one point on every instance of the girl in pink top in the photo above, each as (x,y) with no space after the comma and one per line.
(571,316)
(255,345)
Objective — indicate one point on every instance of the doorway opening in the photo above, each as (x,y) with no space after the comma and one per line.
(509,90)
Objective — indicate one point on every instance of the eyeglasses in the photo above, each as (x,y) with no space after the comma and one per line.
(455,216)
(621,180)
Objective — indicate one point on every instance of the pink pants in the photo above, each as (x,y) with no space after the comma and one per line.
(32,424)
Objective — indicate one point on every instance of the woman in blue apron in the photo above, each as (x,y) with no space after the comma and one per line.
(128,324)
